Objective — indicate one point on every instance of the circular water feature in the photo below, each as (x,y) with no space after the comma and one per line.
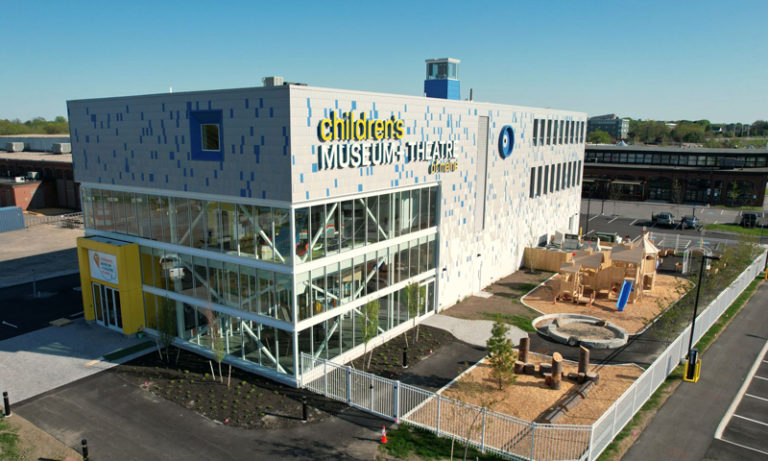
(584,330)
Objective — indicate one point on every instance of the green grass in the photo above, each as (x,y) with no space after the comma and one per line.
(736,228)
(524,288)
(520,321)
(128,351)
(407,440)
(654,401)
(9,442)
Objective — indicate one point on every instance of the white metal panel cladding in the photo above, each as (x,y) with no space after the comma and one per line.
(510,215)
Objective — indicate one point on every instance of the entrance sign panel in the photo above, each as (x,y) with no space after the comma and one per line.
(103,266)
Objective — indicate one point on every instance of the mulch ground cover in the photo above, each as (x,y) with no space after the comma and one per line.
(249,401)
(387,359)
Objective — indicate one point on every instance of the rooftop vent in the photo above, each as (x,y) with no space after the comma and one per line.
(272,81)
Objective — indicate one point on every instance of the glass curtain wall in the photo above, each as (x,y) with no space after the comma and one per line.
(244,230)
(206,285)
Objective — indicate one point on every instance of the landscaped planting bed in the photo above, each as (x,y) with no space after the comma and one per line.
(387,359)
(249,401)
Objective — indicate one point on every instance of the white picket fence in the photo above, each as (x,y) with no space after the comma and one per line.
(499,433)
(619,414)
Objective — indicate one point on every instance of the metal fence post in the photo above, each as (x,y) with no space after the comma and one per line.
(533,438)
(397,401)
(325,378)
(591,441)
(438,416)
(482,437)
(370,395)
(349,386)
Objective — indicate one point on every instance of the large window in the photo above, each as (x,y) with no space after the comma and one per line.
(245,230)
(333,285)
(331,228)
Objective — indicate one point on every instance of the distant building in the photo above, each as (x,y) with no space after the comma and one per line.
(733,177)
(36,172)
(611,124)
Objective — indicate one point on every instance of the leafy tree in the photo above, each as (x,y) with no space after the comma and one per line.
(414,296)
(370,326)
(599,137)
(500,352)
(648,132)
(688,132)
(37,125)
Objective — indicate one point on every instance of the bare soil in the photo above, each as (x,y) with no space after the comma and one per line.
(36,444)
(249,401)
(387,359)
(635,316)
(254,402)
(505,299)
(528,397)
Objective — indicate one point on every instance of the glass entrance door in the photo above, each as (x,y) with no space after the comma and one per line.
(106,302)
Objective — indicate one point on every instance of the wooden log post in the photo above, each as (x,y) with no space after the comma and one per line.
(525,344)
(583,360)
(557,370)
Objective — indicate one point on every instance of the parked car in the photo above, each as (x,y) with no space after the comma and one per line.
(664,219)
(750,219)
(689,222)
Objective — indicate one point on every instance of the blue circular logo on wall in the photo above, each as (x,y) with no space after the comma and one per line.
(506,141)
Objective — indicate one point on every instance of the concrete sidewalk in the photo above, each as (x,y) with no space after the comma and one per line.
(45,359)
(684,428)
(475,332)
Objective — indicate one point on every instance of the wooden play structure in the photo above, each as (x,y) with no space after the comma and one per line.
(623,272)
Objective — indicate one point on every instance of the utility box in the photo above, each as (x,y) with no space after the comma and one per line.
(61,148)
(11,218)
(14,146)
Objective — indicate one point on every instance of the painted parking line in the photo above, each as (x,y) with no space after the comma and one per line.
(745,447)
(756,397)
(633,222)
(751,420)
(612,220)
(740,395)
(762,377)
(594,217)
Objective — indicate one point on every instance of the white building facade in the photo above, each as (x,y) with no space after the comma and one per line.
(267,219)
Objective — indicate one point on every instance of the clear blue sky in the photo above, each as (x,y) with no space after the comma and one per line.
(644,59)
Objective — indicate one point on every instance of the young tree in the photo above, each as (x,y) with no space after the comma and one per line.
(500,352)
(414,296)
(370,327)
(217,344)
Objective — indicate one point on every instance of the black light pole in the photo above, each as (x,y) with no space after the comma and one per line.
(692,353)
(589,204)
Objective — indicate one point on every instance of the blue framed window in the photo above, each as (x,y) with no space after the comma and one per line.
(206,135)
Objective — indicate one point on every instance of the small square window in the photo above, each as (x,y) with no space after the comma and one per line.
(206,135)
(210,136)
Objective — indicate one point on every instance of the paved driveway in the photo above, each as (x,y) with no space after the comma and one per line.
(123,422)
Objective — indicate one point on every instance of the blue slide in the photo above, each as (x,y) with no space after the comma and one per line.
(624,295)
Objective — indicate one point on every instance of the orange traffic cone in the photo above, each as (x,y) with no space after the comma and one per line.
(383,434)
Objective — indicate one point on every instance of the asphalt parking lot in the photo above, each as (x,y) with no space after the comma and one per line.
(21,311)
(634,227)
(744,428)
